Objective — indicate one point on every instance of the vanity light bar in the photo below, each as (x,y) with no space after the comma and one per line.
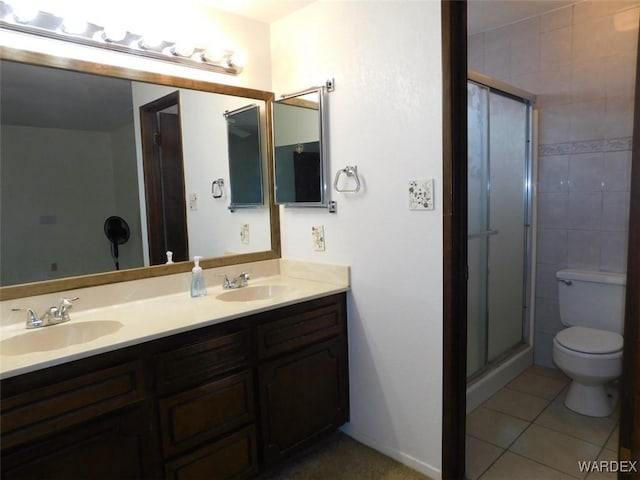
(52,26)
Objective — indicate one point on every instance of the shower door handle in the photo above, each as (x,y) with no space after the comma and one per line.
(485,233)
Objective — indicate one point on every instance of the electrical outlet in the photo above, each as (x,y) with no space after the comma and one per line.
(244,234)
(421,195)
(193,201)
(317,235)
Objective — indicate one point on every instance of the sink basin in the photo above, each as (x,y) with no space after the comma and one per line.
(57,336)
(256,292)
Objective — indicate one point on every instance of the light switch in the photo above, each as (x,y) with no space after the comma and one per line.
(317,235)
(193,201)
(244,234)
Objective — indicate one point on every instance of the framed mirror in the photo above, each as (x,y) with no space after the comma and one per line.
(73,155)
(300,149)
(245,157)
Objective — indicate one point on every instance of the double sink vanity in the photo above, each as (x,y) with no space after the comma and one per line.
(222,386)
(143,381)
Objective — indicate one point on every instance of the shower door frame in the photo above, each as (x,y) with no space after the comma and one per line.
(498,87)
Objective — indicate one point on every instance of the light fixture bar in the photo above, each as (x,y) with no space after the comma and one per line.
(48,25)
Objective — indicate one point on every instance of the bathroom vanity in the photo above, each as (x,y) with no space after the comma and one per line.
(225,400)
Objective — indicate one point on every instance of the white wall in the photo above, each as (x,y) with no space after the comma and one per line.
(385,117)
(58,225)
(127,203)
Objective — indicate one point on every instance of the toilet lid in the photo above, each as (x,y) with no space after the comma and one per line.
(589,340)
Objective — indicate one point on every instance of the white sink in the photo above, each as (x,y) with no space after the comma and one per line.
(57,336)
(255,292)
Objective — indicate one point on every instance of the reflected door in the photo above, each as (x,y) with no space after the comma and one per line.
(164,179)
(498,209)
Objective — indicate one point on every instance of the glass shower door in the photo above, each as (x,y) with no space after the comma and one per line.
(498,200)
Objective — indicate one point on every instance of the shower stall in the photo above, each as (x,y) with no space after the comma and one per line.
(500,240)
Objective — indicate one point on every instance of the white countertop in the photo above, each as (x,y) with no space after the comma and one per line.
(152,318)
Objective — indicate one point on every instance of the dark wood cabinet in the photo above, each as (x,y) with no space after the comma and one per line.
(116,446)
(218,402)
(192,417)
(235,456)
(302,396)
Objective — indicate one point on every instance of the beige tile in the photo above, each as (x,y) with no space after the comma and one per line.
(511,466)
(612,443)
(494,427)
(479,456)
(557,450)
(605,456)
(517,404)
(548,372)
(590,429)
(538,385)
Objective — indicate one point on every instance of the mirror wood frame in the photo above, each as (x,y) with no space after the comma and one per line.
(51,286)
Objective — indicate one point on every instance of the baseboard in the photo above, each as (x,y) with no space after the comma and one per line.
(405,459)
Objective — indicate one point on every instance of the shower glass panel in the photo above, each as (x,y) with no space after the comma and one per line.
(498,209)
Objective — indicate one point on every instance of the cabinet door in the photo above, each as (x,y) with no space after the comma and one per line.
(118,446)
(302,395)
(233,457)
(195,416)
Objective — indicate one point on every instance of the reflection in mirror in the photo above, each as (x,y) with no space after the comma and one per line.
(72,156)
(299,149)
(163,166)
(245,158)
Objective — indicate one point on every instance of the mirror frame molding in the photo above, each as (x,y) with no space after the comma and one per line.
(92,280)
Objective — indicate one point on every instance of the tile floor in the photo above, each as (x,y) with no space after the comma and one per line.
(525,432)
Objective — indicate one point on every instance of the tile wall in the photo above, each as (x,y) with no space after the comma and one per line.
(580,62)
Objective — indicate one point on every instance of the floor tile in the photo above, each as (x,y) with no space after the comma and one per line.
(511,466)
(557,450)
(517,404)
(479,456)
(607,456)
(494,427)
(595,430)
(547,372)
(612,443)
(538,385)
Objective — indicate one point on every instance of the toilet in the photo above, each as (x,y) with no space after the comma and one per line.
(589,350)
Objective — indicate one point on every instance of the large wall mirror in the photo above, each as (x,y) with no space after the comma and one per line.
(300,149)
(104,169)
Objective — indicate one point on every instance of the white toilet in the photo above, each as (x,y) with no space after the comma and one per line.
(589,351)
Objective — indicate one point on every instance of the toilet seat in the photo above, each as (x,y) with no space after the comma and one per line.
(590,340)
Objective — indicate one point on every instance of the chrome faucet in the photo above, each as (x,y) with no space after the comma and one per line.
(52,316)
(241,280)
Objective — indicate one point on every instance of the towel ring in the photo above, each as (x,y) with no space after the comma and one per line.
(216,188)
(349,171)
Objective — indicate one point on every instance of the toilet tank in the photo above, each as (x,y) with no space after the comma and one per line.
(592,299)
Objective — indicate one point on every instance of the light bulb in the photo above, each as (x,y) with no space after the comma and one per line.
(150,41)
(24,12)
(213,55)
(74,25)
(238,60)
(114,33)
(183,49)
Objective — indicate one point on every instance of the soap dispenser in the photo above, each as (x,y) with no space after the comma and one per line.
(198,288)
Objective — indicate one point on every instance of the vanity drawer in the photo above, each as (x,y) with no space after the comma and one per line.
(304,324)
(200,414)
(56,406)
(201,361)
(235,456)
